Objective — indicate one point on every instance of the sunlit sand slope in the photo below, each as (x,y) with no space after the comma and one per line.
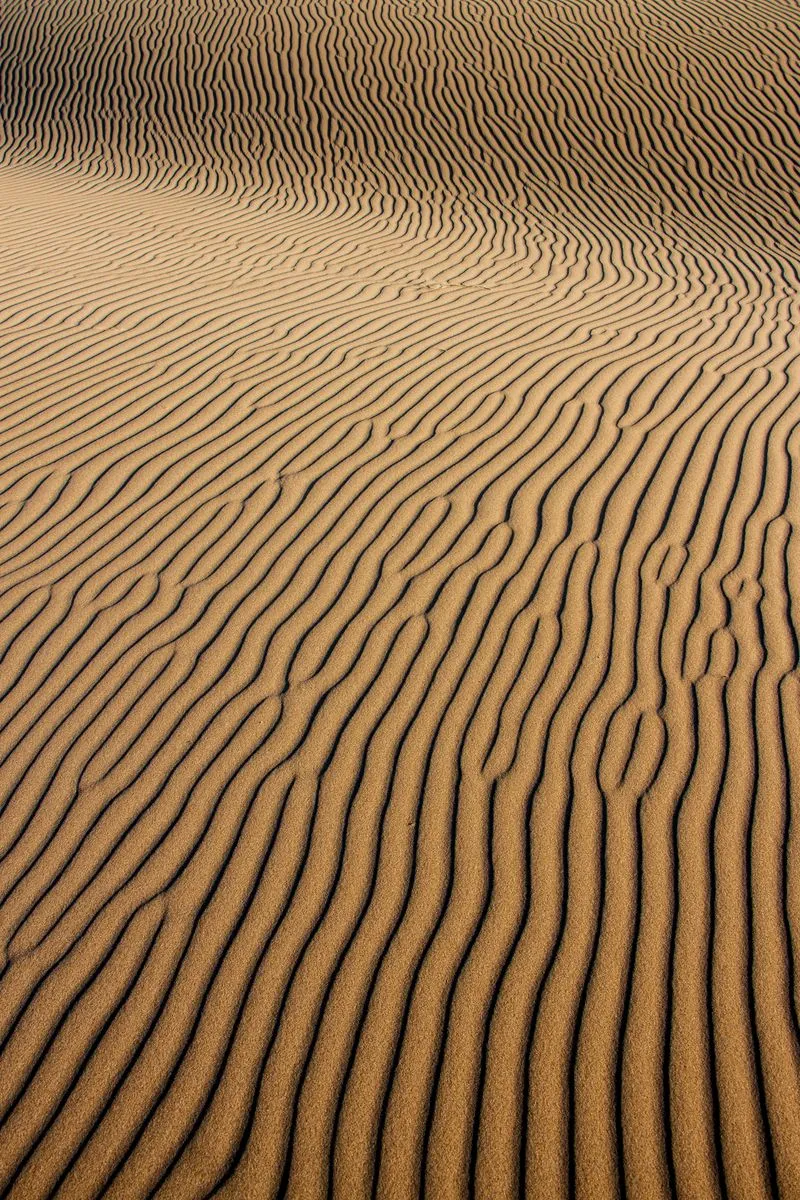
(399,599)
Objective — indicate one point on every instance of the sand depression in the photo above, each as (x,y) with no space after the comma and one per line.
(399,594)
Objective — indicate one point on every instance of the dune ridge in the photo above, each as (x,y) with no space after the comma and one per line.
(399,592)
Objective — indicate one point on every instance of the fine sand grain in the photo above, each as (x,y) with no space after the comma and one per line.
(399,599)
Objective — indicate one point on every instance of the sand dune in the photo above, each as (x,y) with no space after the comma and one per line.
(399,594)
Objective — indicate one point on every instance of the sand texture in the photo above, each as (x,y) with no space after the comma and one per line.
(399,599)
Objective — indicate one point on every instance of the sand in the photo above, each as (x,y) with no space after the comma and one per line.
(399,597)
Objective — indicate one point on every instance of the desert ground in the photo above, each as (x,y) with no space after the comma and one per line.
(399,599)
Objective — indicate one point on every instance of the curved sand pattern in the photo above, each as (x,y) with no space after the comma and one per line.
(399,689)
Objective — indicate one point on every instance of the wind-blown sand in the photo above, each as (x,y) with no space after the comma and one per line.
(399,594)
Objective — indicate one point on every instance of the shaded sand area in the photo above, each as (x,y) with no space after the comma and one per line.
(399,592)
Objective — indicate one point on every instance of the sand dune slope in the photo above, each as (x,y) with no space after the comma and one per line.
(399,599)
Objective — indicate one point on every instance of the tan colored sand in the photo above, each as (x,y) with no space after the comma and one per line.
(399,591)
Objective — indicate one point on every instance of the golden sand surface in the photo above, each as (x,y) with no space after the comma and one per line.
(399,597)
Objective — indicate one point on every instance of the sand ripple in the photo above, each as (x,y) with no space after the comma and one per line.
(399,594)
